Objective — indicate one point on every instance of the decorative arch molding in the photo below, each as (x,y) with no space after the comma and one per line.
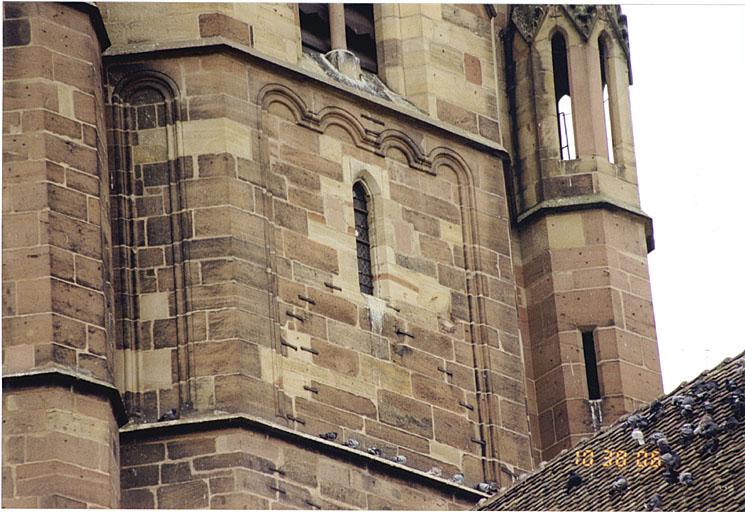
(329,116)
(415,157)
(143,80)
(375,141)
(278,93)
(149,88)
(476,286)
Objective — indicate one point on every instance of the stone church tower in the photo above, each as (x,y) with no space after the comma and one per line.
(229,229)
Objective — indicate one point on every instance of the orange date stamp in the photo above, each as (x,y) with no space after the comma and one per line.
(618,459)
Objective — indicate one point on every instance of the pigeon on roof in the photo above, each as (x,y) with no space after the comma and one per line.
(655,411)
(731,423)
(638,436)
(711,446)
(636,421)
(709,475)
(707,427)
(662,443)
(619,486)
(685,478)
(574,481)
(671,460)
(653,503)
(686,433)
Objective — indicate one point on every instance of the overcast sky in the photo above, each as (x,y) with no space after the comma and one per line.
(688,110)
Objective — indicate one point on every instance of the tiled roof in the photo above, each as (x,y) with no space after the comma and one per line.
(718,478)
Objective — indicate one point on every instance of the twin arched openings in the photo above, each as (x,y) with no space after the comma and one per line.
(562,95)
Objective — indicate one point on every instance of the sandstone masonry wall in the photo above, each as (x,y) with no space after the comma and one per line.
(179,254)
(56,264)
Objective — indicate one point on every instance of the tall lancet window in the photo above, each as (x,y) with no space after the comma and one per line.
(362,235)
(563,97)
(606,98)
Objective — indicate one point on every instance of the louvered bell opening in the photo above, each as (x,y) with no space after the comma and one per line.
(362,236)
(360,28)
(314,26)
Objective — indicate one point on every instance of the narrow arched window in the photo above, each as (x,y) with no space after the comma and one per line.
(362,236)
(563,97)
(606,98)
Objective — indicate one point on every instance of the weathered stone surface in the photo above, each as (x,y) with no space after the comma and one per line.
(405,413)
(201,247)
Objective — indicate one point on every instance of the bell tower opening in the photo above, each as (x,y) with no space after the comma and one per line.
(563,97)
(591,365)
(603,53)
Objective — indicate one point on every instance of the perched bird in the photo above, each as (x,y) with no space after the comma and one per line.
(681,400)
(619,486)
(685,478)
(685,403)
(730,385)
(458,478)
(710,447)
(655,411)
(708,407)
(686,433)
(671,460)
(573,481)
(687,411)
(737,403)
(169,415)
(399,459)
(435,471)
(707,427)
(670,476)
(638,436)
(656,436)
(730,423)
(663,445)
(703,389)
(653,503)
(636,421)
(352,443)
(329,436)
(374,450)
(490,487)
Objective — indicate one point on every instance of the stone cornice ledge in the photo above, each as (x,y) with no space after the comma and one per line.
(91,9)
(240,420)
(57,376)
(218,43)
(588,201)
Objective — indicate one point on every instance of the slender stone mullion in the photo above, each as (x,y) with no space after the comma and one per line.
(337,27)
